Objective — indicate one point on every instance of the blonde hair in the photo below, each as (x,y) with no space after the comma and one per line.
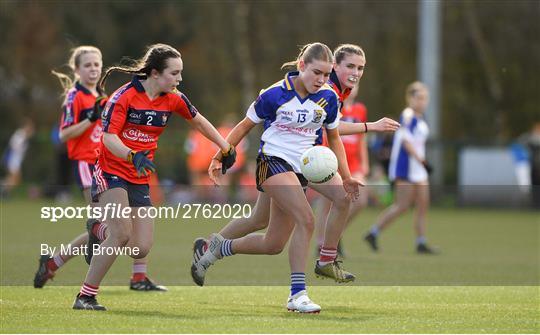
(155,58)
(309,53)
(347,49)
(68,80)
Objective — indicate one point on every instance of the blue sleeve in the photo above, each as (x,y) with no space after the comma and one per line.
(332,110)
(264,106)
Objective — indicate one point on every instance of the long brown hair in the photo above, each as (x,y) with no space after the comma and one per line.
(347,49)
(155,58)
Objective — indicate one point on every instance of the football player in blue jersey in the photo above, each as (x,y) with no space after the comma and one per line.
(348,68)
(409,169)
(293,112)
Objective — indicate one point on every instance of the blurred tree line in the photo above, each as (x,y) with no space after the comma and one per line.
(232,49)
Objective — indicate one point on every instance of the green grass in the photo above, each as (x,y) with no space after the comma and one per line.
(484,281)
(262,310)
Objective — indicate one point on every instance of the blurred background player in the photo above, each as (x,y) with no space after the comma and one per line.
(409,169)
(133,119)
(81,130)
(200,151)
(531,140)
(14,156)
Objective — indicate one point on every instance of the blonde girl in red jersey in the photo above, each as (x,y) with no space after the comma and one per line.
(133,119)
(81,130)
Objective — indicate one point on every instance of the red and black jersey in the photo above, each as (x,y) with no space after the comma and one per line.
(79,100)
(138,122)
(343,94)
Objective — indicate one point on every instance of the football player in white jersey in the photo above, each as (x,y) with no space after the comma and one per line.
(409,169)
(293,112)
(348,68)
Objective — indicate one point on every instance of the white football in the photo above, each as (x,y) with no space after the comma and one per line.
(318,164)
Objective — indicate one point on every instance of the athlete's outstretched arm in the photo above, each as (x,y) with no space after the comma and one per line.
(200,123)
(382,125)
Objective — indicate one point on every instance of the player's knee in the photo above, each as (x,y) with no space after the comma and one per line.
(275,248)
(260,224)
(121,236)
(306,219)
(139,252)
(342,204)
(401,208)
(143,249)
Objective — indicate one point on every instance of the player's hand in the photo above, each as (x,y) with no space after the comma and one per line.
(352,187)
(384,124)
(95,113)
(427,166)
(227,159)
(142,163)
(214,171)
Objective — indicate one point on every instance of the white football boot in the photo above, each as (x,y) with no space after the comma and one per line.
(212,254)
(301,303)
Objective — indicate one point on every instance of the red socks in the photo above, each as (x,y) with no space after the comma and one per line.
(327,255)
(139,272)
(89,290)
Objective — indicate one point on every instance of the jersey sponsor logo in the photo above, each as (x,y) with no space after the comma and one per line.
(298,130)
(136,135)
(148,117)
(95,136)
(286,116)
(135,116)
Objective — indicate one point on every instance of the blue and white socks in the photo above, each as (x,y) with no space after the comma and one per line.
(226,248)
(298,282)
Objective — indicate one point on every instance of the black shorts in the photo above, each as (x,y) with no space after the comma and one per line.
(268,166)
(138,194)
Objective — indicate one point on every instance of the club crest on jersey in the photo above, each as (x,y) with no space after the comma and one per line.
(318,116)
(164,119)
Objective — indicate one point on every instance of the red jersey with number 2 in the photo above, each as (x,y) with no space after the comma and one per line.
(138,122)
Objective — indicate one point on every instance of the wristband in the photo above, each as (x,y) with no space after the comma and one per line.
(130,156)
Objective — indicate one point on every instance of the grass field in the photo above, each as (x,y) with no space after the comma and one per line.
(261,310)
(484,281)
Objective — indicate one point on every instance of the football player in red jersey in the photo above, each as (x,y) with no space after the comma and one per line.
(81,129)
(133,119)
(358,159)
